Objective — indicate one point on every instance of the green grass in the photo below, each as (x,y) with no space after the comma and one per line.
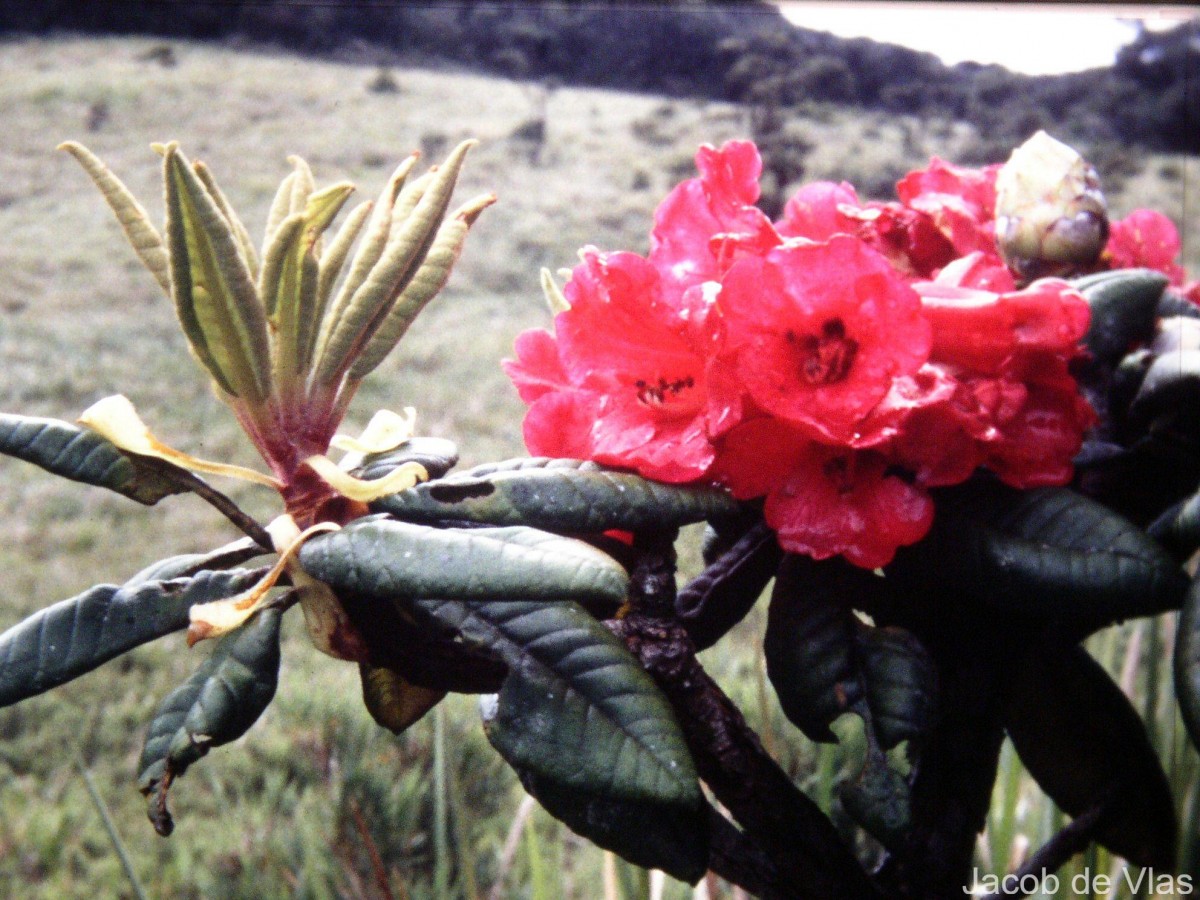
(316,796)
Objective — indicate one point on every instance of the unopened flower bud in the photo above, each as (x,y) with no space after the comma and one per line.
(1051,217)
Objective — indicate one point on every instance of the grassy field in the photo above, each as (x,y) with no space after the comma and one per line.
(317,801)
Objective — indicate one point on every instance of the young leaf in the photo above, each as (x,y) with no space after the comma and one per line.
(82,455)
(74,636)
(429,279)
(147,243)
(334,257)
(245,243)
(216,705)
(559,499)
(1049,553)
(575,708)
(375,238)
(1082,741)
(214,294)
(408,242)
(383,559)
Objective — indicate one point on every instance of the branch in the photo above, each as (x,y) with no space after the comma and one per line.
(222,504)
(1055,853)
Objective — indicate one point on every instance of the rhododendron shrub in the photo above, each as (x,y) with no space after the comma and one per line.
(877,350)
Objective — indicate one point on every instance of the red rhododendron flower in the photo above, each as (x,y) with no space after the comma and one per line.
(818,332)
(1145,239)
(706,223)
(838,364)
(845,502)
(961,202)
(909,239)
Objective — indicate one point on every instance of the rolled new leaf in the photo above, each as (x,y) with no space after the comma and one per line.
(216,705)
(1084,744)
(379,558)
(564,499)
(82,455)
(1048,553)
(1123,305)
(215,296)
(411,234)
(1187,662)
(425,284)
(71,638)
(575,708)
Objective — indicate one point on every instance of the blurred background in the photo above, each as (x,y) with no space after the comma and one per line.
(587,115)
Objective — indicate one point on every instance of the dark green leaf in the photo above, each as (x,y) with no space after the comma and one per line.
(1049,553)
(899,683)
(188,564)
(559,499)
(437,455)
(809,644)
(660,836)
(1082,741)
(1178,529)
(1187,662)
(216,705)
(1123,310)
(823,661)
(383,559)
(879,801)
(576,708)
(524,463)
(72,637)
(82,455)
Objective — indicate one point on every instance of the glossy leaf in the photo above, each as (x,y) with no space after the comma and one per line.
(1049,553)
(216,705)
(188,564)
(214,295)
(393,702)
(1082,741)
(1187,662)
(381,558)
(663,836)
(1178,529)
(81,454)
(73,637)
(523,463)
(575,708)
(823,661)
(561,499)
(1123,308)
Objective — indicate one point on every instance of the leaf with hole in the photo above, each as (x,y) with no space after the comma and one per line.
(823,662)
(559,499)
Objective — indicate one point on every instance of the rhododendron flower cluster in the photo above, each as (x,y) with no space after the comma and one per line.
(838,363)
